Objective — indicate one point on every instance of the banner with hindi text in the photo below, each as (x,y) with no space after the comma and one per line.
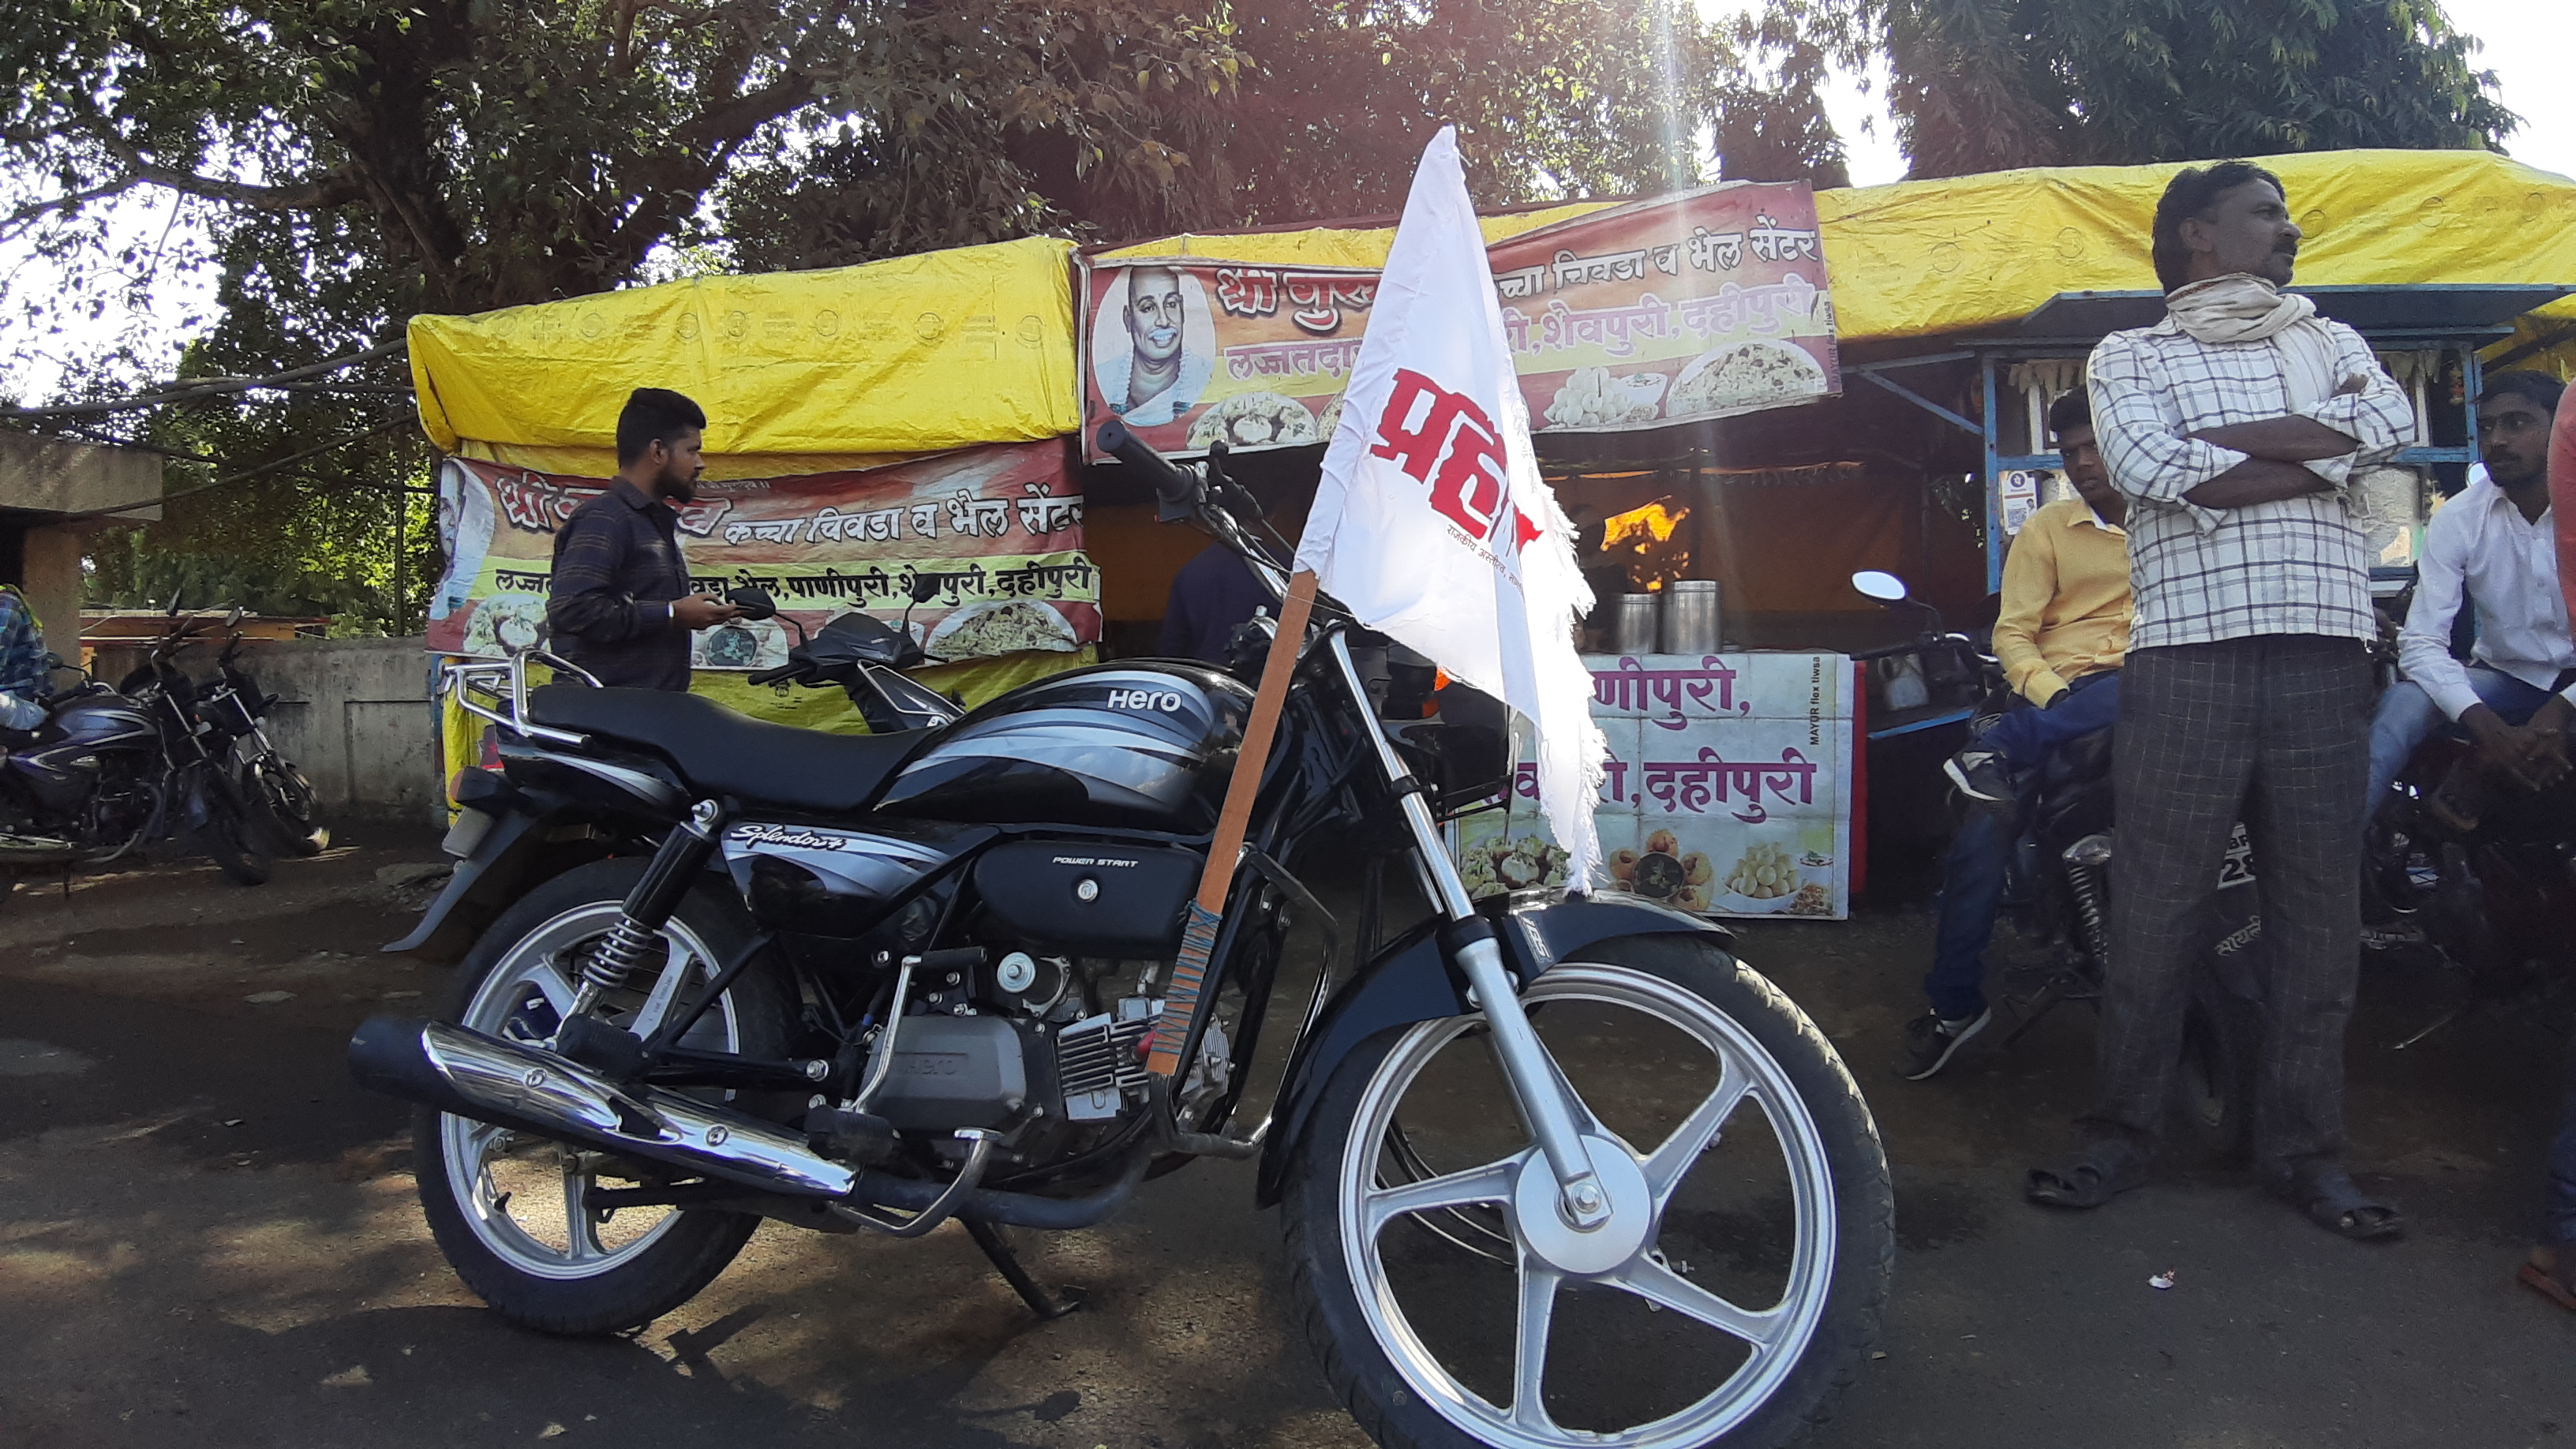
(1726,789)
(1700,305)
(998,529)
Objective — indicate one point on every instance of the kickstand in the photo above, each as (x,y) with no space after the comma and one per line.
(1005,1262)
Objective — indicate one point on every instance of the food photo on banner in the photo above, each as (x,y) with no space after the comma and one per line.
(1725,790)
(1701,305)
(997,530)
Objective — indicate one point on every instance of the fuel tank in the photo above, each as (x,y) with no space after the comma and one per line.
(71,747)
(1145,745)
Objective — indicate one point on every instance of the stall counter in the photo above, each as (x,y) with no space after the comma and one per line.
(1726,789)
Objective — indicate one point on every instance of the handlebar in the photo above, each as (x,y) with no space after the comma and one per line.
(1170,484)
(786,671)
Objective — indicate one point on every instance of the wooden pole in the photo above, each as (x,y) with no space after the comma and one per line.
(1198,937)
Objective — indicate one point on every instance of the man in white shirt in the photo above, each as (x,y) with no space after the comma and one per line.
(2495,541)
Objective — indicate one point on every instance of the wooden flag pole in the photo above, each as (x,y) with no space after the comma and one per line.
(1198,938)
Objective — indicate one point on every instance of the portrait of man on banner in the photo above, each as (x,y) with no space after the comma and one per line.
(1153,345)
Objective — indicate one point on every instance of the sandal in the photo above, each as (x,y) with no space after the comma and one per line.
(2100,1172)
(2540,1274)
(2325,1192)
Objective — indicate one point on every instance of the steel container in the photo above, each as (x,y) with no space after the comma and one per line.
(1690,616)
(1637,623)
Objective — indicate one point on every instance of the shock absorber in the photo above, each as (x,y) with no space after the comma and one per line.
(2085,860)
(637,937)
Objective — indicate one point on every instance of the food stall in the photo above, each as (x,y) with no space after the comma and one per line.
(1745,386)
(867,426)
(1726,785)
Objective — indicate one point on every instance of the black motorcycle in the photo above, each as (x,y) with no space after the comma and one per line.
(724,970)
(2490,896)
(2057,891)
(111,770)
(280,800)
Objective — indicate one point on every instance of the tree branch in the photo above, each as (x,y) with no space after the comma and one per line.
(205,387)
(16,220)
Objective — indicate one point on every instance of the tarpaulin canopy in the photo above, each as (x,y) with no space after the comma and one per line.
(1925,258)
(913,355)
(976,345)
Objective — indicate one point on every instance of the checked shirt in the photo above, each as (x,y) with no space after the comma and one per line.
(2296,566)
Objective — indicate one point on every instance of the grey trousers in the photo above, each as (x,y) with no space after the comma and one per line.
(2272,729)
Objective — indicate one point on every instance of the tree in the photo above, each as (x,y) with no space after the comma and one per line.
(1987,85)
(1770,120)
(347,163)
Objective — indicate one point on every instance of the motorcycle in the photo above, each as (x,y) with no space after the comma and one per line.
(724,971)
(2489,897)
(278,797)
(111,770)
(2057,884)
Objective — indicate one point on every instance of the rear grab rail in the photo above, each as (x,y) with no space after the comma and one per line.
(504,683)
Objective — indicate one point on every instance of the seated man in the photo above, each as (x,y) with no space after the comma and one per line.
(22,663)
(2065,620)
(2495,541)
(2061,636)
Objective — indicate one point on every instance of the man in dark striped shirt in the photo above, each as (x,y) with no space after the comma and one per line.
(620,604)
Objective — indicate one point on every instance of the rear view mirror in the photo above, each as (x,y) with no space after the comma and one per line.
(754,603)
(1885,587)
(925,587)
(233,619)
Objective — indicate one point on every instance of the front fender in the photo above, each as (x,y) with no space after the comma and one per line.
(1410,980)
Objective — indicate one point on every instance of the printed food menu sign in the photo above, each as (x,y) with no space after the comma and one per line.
(1701,305)
(1725,790)
(997,529)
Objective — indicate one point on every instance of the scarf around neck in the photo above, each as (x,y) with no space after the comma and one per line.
(2242,307)
(2239,307)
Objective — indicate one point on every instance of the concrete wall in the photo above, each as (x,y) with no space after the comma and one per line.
(355,713)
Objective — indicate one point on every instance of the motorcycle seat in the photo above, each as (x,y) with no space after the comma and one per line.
(721,752)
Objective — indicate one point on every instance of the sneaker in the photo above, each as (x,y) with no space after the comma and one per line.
(1980,776)
(1930,1042)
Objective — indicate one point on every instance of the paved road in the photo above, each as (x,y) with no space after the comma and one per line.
(208,1238)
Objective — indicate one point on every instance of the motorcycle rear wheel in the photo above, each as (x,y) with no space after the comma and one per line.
(506,1208)
(281,804)
(1441,1334)
(237,846)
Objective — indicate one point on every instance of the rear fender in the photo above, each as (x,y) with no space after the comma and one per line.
(1411,980)
(535,835)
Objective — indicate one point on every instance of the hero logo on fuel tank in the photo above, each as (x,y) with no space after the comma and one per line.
(1167,701)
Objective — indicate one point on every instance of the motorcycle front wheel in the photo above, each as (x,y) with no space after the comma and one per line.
(1734,1290)
(281,804)
(509,1209)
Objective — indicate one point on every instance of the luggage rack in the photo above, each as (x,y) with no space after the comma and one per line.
(505,683)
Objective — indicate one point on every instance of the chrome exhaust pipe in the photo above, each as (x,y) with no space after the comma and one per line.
(457,1070)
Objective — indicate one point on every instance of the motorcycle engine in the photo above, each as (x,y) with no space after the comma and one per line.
(1037,1042)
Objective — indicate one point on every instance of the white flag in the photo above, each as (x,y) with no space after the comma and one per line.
(1431,521)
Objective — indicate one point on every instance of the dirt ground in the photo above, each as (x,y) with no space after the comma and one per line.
(208,1237)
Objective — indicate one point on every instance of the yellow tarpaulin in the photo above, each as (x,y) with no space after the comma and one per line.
(976,345)
(913,355)
(1922,258)
(1329,246)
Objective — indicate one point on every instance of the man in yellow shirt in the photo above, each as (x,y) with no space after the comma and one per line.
(2065,621)
(2061,635)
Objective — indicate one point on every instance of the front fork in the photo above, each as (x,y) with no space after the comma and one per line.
(1536,1089)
